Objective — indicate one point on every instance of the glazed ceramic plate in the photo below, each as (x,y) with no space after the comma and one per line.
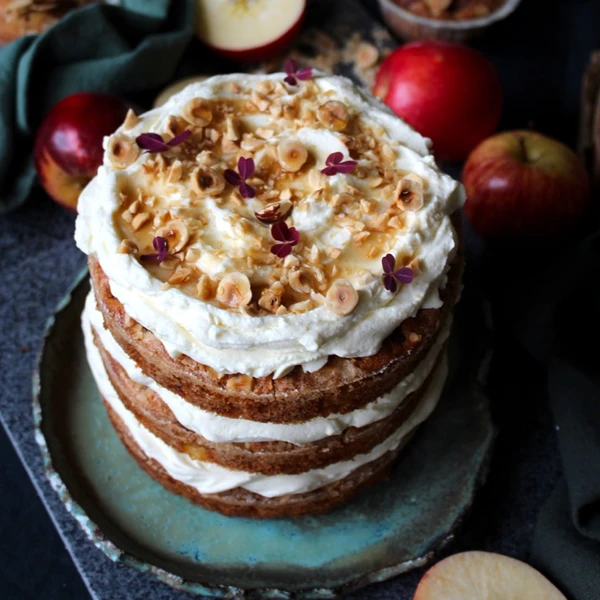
(390,528)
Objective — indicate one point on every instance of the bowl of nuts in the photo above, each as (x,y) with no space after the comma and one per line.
(450,20)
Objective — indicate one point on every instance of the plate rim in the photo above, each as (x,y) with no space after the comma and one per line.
(101,541)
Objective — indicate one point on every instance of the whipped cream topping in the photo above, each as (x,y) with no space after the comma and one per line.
(236,342)
(210,478)
(217,428)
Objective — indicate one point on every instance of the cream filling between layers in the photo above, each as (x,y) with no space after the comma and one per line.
(217,428)
(233,342)
(209,478)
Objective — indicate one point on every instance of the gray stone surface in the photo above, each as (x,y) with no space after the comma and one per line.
(39,260)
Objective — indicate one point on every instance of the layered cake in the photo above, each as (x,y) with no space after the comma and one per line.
(274,261)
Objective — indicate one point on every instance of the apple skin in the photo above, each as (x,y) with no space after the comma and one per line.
(268,50)
(522,184)
(68,145)
(448,92)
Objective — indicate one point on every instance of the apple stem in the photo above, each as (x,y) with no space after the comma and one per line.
(524,154)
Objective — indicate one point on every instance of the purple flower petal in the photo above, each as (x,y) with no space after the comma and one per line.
(287,236)
(159,243)
(291,80)
(280,231)
(329,171)
(293,236)
(346,167)
(232,177)
(390,283)
(179,139)
(304,74)
(245,167)
(404,275)
(388,262)
(151,142)
(334,158)
(290,67)
(247,191)
(281,250)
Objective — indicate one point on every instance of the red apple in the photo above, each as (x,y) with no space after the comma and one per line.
(478,575)
(68,145)
(249,30)
(447,92)
(523,184)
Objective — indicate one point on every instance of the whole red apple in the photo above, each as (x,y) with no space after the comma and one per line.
(447,92)
(249,30)
(523,184)
(68,145)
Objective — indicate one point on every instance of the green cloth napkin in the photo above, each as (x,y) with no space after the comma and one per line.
(123,50)
(562,328)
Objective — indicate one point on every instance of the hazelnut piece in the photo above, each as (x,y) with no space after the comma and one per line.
(292,155)
(122,151)
(234,290)
(270,300)
(409,193)
(341,297)
(274,212)
(207,182)
(299,282)
(176,235)
(198,112)
(333,115)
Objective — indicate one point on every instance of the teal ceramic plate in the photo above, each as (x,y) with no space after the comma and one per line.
(391,528)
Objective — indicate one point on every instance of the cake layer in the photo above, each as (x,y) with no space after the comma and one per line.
(268,458)
(209,478)
(243,503)
(180,231)
(340,387)
(171,408)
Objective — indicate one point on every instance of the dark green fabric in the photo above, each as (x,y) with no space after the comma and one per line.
(562,328)
(123,49)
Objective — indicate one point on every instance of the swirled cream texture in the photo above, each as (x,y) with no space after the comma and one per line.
(233,341)
(217,428)
(210,478)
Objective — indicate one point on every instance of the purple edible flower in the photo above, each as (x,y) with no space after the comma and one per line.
(154,143)
(245,169)
(287,237)
(161,247)
(294,73)
(335,164)
(392,277)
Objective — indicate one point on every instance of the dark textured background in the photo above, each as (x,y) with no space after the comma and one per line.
(540,53)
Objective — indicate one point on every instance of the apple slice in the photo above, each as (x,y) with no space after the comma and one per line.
(175,88)
(484,576)
(249,30)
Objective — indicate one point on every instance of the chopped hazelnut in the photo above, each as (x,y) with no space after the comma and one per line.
(127,247)
(140,220)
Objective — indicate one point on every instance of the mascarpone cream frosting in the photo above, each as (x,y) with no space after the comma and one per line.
(234,341)
(217,428)
(210,478)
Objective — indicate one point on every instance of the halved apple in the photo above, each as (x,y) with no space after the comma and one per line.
(176,87)
(249,30)
(484,576)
